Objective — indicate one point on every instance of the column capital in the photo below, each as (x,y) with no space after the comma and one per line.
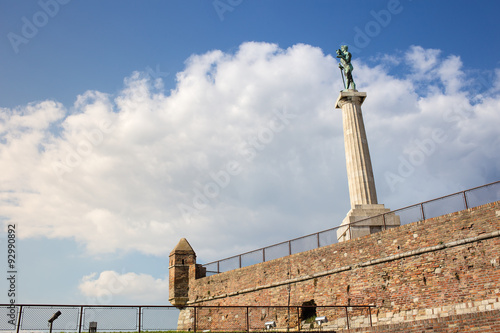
(350,95)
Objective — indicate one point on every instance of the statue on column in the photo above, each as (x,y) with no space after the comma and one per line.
(345,64)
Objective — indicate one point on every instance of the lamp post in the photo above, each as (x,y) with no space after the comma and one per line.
(51,320)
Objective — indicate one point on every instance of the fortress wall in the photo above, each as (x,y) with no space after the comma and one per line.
(472,322)
(435,268)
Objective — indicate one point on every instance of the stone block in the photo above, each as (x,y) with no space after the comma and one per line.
(365,220)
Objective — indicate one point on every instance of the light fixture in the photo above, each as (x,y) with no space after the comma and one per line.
(321,320)
(270,324)
(54,317)
(93,327)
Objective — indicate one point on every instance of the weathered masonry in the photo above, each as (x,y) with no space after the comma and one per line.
(433,270)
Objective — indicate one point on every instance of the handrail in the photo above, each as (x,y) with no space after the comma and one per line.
(348,227)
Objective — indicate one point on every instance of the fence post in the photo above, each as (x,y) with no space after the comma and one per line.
(248,322)
(288,315)
(195,319)
(370,313)
(347,317)
(81,318)
(298,319)
(317,236)
(139,319)
(383,218)
(350,233)
(19,318)
(289,248)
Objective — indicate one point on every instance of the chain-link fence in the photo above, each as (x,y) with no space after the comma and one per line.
(122,318)
(77,318)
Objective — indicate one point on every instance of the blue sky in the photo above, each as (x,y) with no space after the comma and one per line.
(115,114)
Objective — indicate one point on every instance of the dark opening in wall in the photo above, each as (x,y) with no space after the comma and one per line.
(308,311)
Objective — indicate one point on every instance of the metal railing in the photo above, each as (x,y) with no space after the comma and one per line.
(451,203)
(133,318)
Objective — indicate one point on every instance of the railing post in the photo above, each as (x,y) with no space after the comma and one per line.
(465,200)
(383,218)
(350,233)
(289,248)
(81,318)
(317,237)
(422,211)
(218,266)
(19,318)
(263,254)
(239,257)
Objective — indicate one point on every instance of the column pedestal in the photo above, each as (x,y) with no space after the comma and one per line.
(373,221)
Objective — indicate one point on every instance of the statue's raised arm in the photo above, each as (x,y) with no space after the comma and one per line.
(345,64)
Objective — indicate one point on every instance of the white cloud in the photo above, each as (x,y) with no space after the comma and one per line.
(109,287)
(421,60)
(246,151)
(451,74)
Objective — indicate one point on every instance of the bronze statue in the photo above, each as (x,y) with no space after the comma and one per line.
(345,64)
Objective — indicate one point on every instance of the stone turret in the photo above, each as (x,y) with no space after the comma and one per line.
(182,269)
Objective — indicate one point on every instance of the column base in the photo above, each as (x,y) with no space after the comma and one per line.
(370,226)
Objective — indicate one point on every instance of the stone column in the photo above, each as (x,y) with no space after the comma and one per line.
(357,155)
(362,192)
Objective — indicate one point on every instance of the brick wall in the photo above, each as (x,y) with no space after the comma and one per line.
(430,269)
(472,322)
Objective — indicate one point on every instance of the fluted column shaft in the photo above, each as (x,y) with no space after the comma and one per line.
(358,163)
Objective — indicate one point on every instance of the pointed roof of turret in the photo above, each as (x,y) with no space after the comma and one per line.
(183,247)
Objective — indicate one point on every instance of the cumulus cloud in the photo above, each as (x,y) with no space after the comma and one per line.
(109,287)
(421,60)
(247,150)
